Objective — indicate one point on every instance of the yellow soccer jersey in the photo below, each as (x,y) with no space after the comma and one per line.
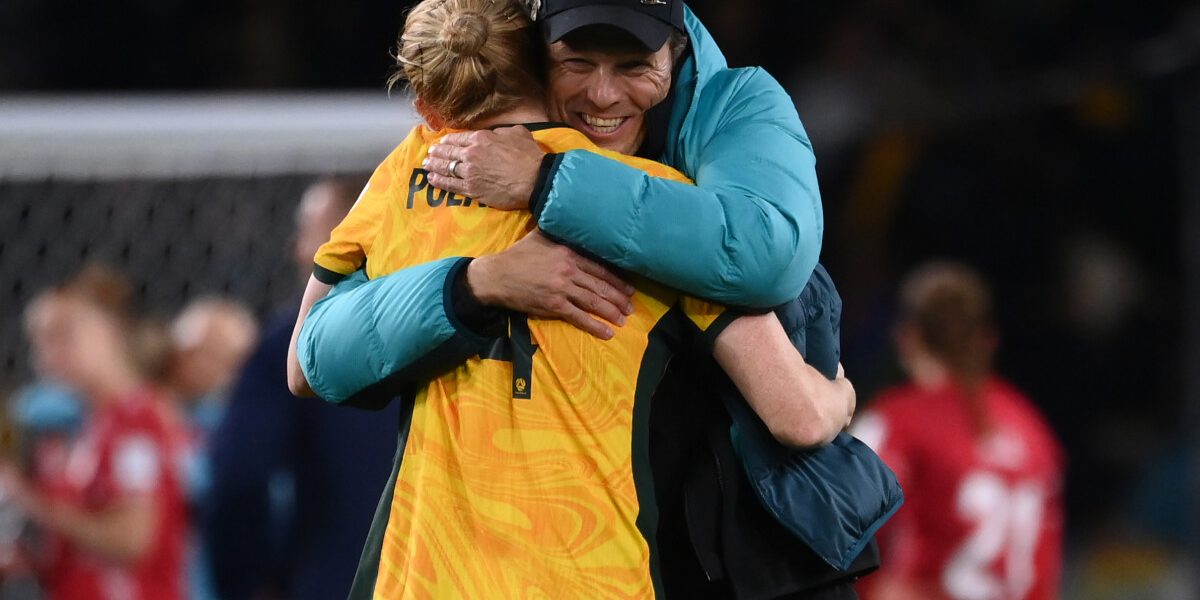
(523,473)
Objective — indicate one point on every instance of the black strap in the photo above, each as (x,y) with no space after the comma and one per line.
(523,348)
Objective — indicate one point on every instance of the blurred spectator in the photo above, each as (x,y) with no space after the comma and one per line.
(337,460)
(113,511)
(981,469)
(210,339)
(45,417)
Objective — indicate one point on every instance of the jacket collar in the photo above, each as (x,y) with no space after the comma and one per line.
(703,61)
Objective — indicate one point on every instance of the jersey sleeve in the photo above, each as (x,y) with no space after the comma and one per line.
(351,241)
(1048,561)
(879,429)
(137,465)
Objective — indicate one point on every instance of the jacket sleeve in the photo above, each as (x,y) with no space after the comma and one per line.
(368,341)
(749,233)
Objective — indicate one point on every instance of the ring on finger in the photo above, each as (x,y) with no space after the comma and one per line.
(454,168)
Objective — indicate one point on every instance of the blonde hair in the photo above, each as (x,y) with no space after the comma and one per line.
(467,60)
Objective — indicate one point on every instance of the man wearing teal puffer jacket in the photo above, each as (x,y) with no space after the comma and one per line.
(747,234)
(755,213)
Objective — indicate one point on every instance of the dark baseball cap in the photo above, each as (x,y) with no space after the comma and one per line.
(650,21)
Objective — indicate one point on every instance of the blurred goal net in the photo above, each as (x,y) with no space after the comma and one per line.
(187,195)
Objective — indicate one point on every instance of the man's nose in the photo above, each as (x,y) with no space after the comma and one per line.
(604,91)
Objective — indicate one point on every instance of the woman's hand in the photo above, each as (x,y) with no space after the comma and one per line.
(497,168)
(543,279)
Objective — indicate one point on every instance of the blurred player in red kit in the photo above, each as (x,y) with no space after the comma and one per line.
(114,516)
(981,469)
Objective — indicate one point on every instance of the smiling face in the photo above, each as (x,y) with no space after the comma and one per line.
(602,85)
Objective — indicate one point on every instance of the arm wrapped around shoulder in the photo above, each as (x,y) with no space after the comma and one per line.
(367,341)
(755,212)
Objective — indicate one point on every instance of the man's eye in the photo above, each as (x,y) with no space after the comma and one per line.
(576,64)
(635,68)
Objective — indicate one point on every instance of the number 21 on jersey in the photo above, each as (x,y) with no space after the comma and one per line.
(1006,521)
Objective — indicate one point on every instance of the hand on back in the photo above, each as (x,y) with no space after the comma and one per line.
(543,279)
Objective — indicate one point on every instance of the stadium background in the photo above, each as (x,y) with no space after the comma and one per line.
(1053,145)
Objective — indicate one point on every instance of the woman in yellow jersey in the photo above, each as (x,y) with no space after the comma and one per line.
(524,472)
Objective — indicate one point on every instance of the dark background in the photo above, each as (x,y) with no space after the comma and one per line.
(1042,142)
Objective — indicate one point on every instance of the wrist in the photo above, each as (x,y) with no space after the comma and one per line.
(467,312)
(478,278)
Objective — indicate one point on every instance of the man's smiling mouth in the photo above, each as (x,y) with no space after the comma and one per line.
(603,126)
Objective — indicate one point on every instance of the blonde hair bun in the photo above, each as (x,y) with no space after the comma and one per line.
(466,60)
(465,34)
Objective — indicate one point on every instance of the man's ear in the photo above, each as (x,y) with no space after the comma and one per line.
(432,118)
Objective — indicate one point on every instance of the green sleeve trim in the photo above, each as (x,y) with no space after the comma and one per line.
(327,276)
(709,336)
(664,337)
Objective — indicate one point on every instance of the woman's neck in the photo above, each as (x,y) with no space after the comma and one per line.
(526,112)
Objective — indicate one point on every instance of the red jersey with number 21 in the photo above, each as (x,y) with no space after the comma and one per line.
(982,518)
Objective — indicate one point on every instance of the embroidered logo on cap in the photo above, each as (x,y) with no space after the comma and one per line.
(532,7)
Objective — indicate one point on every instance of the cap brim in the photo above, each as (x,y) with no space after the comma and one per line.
(651,32)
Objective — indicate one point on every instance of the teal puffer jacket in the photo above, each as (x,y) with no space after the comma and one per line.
(748,233)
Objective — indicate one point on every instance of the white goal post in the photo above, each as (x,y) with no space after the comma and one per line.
(188,195)
(149,136)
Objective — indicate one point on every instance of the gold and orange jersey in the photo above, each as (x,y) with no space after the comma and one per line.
(523,473)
